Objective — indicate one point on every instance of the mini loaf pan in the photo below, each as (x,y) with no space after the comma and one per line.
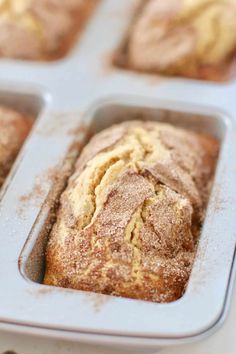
(89,317)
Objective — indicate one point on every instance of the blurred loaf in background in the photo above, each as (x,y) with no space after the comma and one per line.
(40,29)
(14,128)
(193,38)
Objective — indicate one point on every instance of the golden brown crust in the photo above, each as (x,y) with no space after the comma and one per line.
(182,37)
(14,128)
(130,217)
(42,30)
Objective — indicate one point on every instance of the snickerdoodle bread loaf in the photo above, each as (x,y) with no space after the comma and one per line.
(40,29)
(130,217)
(14,128)
(194,38)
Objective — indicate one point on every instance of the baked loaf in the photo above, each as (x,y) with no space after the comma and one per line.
(193,38)
(130,218)
(14,128)
(38,29)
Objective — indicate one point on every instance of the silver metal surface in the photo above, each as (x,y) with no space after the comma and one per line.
(83,88)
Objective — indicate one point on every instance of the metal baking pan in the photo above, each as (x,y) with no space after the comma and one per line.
(82,94)
(55,311)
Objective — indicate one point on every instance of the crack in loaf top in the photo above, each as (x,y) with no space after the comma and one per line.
(14,128)
(32,29)
(195,38)
(130,217)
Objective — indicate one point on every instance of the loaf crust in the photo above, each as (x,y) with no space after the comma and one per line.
(192,38)
(130,217)
(14,128)
(40,29)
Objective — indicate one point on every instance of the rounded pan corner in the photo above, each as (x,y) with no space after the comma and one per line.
(25,97)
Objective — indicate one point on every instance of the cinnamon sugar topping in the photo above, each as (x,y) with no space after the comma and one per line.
(130,218)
